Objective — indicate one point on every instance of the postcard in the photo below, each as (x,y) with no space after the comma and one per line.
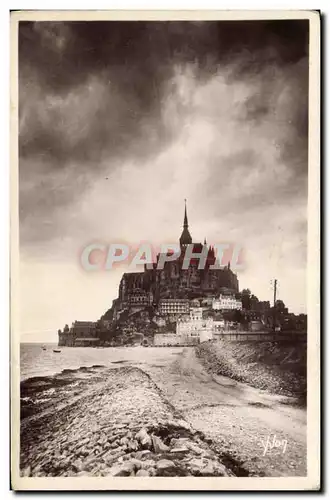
(165,250)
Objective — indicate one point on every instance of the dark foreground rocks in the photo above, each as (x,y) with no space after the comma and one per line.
(121,427)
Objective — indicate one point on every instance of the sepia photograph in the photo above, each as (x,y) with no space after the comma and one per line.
(165,250)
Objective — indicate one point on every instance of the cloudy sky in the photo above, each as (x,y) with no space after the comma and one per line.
(120,121)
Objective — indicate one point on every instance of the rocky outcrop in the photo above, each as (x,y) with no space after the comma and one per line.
(122,427)
(279,367)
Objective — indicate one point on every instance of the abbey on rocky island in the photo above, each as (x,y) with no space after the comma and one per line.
(149,287)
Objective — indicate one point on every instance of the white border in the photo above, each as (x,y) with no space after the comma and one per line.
(313,411)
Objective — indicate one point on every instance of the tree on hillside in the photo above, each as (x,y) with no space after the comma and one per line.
(246,299)
(280,306)
(238,316)
(254,302)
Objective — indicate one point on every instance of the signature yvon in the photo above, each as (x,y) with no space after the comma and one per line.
(270,444)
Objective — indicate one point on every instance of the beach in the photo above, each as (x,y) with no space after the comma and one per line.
(107,411)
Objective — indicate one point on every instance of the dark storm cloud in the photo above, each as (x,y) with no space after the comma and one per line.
(66,53)
(135,59)
(91,96)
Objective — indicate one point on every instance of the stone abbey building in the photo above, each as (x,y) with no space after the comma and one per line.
(152,286)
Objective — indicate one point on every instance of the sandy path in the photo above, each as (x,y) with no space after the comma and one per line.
(235,416)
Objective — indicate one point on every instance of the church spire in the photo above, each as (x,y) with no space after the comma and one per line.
(185,238)
(185,221)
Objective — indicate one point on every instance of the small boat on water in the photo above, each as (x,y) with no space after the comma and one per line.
(56,350)
(44,348)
